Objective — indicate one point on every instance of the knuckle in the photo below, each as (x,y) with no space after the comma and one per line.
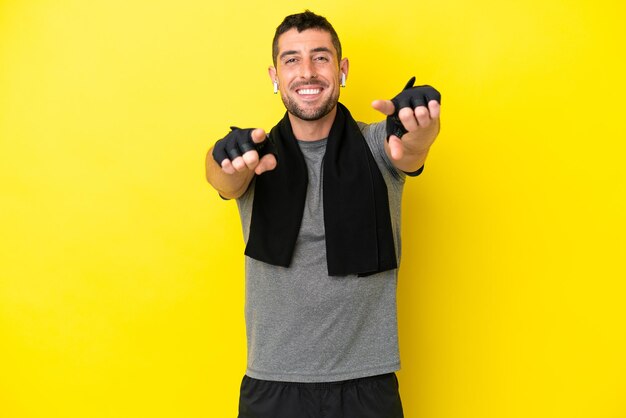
(421,112)
(405,114)
(227,167)
(238,163)
(251,157)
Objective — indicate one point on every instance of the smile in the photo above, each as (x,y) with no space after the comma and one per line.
(304,92)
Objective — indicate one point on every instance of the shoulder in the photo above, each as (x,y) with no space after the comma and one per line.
(375,135)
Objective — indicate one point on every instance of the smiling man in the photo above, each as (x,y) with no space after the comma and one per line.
(309,73)
(319,200)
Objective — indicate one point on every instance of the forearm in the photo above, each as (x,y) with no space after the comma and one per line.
(410,161)
(229,186)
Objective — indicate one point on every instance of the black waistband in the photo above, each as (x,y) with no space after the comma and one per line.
(325,385)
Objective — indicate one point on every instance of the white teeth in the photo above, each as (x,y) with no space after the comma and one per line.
(309,91)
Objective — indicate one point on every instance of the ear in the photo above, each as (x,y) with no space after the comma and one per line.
(344,66)
(272,73)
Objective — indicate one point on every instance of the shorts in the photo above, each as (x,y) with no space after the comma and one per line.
(368,397)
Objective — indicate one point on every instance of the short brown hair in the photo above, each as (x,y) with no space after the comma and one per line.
(302,22)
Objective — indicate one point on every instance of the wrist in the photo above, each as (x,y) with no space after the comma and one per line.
(412,161)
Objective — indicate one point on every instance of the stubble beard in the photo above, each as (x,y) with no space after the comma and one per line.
(310,114)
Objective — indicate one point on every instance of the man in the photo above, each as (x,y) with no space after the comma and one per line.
(319,200)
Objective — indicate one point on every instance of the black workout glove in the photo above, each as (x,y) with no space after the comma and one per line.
(409,97)
(238,142)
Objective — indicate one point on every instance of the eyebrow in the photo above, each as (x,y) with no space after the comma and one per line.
(321,49)
(294,52)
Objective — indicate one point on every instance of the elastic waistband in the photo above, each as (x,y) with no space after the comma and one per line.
(326,385)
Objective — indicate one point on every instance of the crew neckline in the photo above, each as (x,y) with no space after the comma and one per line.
(312,144)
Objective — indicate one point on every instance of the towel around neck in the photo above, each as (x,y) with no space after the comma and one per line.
(357,222)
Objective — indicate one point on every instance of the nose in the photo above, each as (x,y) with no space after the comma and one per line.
(307,70)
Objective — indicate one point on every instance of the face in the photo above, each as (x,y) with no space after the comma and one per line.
(308,73)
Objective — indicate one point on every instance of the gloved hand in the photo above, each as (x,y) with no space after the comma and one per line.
(409,97)
(238,142)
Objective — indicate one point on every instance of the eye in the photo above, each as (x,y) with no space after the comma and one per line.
(321,58)
(290,60)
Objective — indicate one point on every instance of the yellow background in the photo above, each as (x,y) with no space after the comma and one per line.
(121,276)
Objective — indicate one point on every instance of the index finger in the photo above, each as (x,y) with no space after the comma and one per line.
(258,135)
(384,106)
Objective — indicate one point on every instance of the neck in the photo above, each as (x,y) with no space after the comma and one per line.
(312,130)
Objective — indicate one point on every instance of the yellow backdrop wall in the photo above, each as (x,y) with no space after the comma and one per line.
(121,271)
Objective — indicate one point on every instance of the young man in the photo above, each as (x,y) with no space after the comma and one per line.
(319,200)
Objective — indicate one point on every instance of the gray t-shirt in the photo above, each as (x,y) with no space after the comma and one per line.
(305,326)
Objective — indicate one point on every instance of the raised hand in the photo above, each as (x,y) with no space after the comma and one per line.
(412,120)
(245,150)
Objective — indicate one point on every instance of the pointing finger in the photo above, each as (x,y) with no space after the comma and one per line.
(258,135)
(385,107)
